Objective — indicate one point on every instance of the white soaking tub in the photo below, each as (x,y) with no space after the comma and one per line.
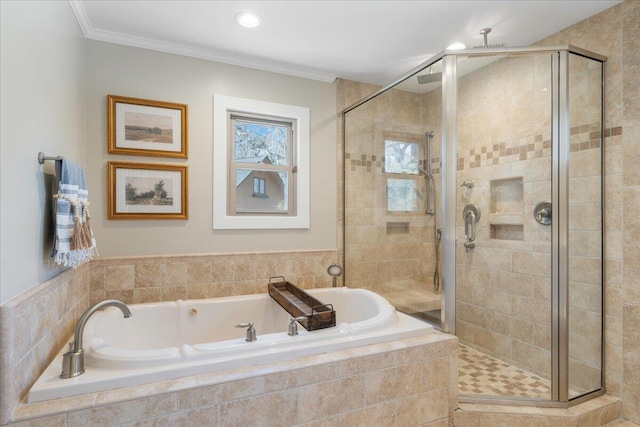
(168,340)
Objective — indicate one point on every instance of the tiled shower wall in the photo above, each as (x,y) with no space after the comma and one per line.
(504,146)
(385,251)
(503,285)
(616,34)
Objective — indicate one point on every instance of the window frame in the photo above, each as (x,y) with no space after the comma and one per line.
(224,163)
(234,165)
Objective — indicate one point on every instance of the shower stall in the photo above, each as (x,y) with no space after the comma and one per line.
(473,200)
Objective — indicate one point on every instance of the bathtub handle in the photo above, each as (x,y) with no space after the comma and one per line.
(293,326)
(251,332)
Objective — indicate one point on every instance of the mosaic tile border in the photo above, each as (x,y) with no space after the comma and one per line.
(584,137)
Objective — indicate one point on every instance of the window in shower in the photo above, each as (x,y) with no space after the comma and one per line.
(401,157)
(402,195)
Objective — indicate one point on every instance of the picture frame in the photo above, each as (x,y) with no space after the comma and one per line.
(143,127)
(147,191)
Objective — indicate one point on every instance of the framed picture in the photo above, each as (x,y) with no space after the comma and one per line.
(142,127)
(147,191)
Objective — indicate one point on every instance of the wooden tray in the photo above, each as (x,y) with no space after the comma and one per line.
(298,303)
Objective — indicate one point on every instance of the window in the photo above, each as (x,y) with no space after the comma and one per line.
(401,157)
(402,195)
(260,188)
(262,155)
(261,164)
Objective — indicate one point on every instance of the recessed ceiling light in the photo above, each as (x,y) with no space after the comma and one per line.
(248,19)
(456,46)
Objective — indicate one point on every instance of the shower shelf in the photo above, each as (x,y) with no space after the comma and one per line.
(506,232)
(298,303)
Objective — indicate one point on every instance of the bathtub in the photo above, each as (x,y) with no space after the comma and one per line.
(168,340)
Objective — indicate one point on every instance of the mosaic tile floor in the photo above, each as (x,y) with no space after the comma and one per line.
(480,374)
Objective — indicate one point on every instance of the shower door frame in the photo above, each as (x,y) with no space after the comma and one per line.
(560,135)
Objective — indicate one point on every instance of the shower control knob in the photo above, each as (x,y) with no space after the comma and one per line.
(542,213)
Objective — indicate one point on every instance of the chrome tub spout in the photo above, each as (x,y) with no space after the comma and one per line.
(73,360)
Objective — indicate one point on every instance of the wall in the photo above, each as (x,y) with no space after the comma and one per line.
(139,73)
(43,60)
(617,35)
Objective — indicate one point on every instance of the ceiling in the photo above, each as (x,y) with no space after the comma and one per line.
(366,41)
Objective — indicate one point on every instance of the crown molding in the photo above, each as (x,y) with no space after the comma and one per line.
(179,49)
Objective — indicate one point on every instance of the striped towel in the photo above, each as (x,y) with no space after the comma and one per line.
(74,242)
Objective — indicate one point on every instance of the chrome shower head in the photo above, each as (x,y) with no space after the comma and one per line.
(430,78)
(486,45)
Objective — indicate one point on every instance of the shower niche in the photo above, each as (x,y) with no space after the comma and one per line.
(506,209)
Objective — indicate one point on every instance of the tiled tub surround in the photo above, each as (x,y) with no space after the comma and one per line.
(34,327)
(150,279)
(406,382)
(36,324)
(169,340)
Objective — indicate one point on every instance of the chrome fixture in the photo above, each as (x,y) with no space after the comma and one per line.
(484,32)
(251,332)
(436,271)
(471,215)
(431,185)
(430,78)
(334,271)
(73,360)
(542,213)
(468,184)
(293,326)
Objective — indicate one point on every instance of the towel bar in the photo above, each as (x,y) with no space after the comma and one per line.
(42,158)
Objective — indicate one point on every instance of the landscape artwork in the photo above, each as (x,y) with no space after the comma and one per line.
(144,127)
(148,127)
(147,191)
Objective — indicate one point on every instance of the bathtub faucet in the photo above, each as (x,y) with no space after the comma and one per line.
(73,360)
(251,332)
(293,326)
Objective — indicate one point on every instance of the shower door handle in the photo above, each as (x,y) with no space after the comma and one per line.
(471,215)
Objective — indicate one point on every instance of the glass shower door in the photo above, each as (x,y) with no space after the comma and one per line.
(503,225)
(392,196)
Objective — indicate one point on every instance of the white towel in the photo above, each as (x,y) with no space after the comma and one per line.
(74,242)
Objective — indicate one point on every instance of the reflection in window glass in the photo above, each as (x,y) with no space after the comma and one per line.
(402,195)
(261,142)
(261,191)
(400,157)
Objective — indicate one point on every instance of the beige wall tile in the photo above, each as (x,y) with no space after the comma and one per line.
(324,399)
(207,396)
(259,410)
(130,411)
(119,277)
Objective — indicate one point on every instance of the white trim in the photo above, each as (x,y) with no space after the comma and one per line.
(179,49)
(222,105)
